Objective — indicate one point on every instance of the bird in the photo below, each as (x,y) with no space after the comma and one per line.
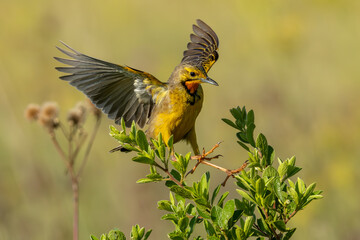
(169,108)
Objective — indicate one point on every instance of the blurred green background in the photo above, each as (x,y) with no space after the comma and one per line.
(296,63)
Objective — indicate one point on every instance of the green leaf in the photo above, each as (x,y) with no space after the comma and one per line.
(227,213)
(289,234)
(243,182)
(181,191)
(292,192)
(250,117)
(312,197)
(260,186)
(279,224)
(172,200)
(147,234)
(202,202)
(216,212)
(203,214)
(292,171)
(308,191)
(170,216)
(141,140)
(277,189)
(263,226)
(246,196)
(213,238)
(116,235)
(92,237)
(176,236)
(229,122)
(270,172)
(183,223)
(141,232)
(222,198)
(165,205)
(243,145)
(249,222)
(209,228)
(215,193)
(123,125)
(134,232)
(175,174)
(283,169)
(240,234)
(236,113)
(269,200)
(261,143)
(148,180)
(160,152)
(236,216)
(132,133)
(242,137)
(300,186)
(250,134)
(270,155)
(143,159)
(170,142)
(113,130)
(130,147)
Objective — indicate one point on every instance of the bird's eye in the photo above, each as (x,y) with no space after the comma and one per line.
(192,74)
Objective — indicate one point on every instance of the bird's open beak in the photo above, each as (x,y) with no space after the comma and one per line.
(208,80)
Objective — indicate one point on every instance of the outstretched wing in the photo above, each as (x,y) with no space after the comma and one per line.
(119,91)
(202,50)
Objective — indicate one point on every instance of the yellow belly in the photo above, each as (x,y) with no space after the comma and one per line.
(177,118)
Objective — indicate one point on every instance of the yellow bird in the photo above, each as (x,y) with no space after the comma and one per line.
(169,108)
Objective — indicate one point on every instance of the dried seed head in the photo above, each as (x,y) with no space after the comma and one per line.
(32,111)
(75,116)
(48,115)
(50,109)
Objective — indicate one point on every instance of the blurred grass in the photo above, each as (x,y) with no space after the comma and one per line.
(295,63)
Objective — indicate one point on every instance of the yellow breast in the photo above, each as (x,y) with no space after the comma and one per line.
(176,114)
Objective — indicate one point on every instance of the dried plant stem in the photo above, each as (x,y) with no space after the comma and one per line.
(75,189)
(69,161)
(203,159)
(91,141)
(74,182)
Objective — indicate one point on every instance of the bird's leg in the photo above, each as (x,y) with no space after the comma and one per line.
(203,156)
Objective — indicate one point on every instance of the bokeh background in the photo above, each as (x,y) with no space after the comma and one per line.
(296,63)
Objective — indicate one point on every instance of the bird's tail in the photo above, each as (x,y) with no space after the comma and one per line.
(119,148)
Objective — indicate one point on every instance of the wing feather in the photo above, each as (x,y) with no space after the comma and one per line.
(202,50)
(119,91)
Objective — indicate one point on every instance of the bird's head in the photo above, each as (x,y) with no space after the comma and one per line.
(190,77)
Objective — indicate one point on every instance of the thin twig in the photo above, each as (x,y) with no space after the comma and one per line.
(201,158)
(61,152)
(79,144)
(91,141)
(75,188)
(169,174)
(232,172)
(259,229)
(74,183)
(291,215)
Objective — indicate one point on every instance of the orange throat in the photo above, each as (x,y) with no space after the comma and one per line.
(192,86)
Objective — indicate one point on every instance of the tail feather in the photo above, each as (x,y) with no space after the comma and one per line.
(119,148)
